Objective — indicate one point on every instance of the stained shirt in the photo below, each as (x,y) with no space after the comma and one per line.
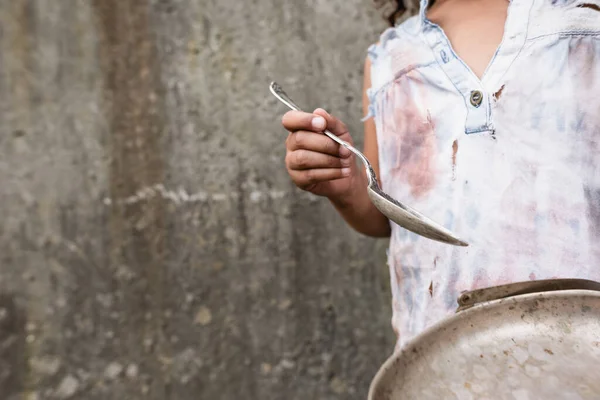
(509,162)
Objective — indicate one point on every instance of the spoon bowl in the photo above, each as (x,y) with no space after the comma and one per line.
(397,212)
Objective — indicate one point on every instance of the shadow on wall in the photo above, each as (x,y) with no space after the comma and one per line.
(12,348)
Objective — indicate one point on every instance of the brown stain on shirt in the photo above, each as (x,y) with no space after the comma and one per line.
(591,6)
(454,151)
(499,93)
(582,58)
(416,150)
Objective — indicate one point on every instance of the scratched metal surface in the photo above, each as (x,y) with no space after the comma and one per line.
(527,347)
(151,244)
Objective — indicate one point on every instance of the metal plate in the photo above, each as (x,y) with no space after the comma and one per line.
(532,346)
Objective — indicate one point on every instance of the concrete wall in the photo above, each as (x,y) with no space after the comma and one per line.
(151,243)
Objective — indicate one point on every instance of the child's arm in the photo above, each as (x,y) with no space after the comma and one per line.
(318,165)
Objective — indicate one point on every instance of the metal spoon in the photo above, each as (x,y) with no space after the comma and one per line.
(399,213)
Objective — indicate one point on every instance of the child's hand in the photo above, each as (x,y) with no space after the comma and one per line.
(315,162)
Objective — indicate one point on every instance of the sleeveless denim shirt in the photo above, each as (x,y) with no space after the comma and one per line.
(509,162)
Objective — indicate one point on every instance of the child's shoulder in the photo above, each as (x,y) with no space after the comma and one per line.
(399,50)
(403,34)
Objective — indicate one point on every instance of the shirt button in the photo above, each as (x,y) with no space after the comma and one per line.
(476,98)
(444,56)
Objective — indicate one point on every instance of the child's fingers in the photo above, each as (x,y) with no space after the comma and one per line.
(306,178)
(298,120)
(315,142)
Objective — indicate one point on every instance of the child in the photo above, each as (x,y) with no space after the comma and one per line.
(483,115)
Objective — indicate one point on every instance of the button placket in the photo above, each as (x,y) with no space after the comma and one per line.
(469,87)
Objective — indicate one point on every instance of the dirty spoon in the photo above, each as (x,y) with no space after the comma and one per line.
(397,212)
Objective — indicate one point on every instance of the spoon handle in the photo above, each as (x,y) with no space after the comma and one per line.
(283,96)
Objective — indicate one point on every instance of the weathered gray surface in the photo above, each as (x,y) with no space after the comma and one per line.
(151,244)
